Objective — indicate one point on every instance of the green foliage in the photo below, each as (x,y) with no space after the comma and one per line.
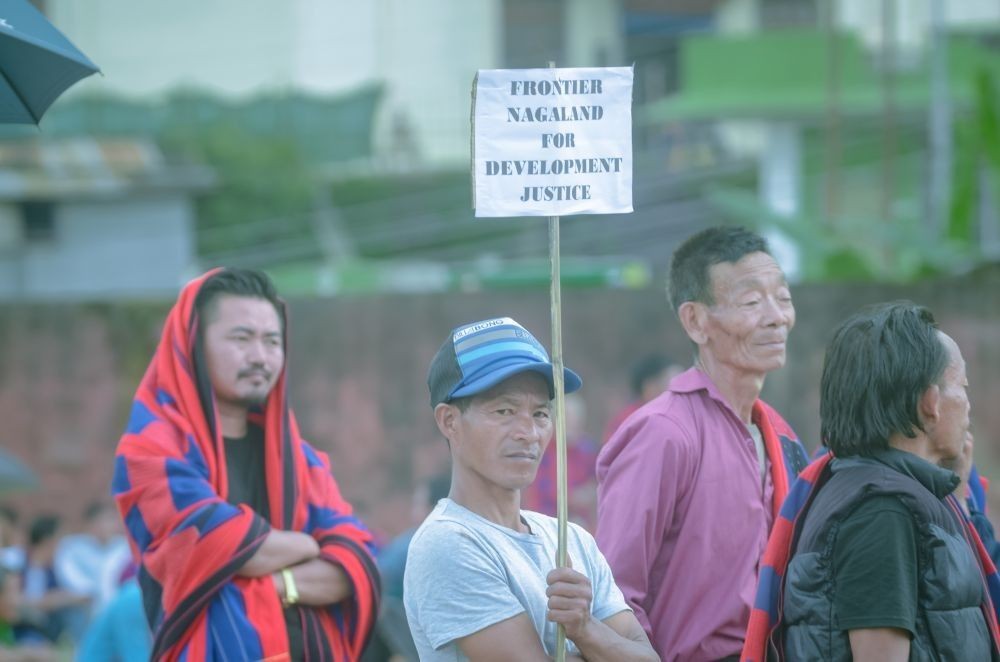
(978,145)
(857,244)
(264,190)
(381,214)
(845,264)
(851,248)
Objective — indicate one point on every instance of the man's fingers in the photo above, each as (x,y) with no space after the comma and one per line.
(566,575)
(569,590)
(568,617)
(569,603)
(562,616)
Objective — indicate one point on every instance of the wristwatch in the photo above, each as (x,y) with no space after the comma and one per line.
(291,592)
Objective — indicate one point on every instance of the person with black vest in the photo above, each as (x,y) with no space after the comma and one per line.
(882,565)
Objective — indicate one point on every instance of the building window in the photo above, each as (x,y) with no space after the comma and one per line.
(39,222)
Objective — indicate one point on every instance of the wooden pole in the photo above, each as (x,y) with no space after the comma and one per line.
(562,512)
(560,413)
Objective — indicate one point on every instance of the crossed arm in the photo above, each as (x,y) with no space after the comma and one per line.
(618,637)
(318,581)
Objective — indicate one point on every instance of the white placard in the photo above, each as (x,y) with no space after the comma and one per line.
(552,142)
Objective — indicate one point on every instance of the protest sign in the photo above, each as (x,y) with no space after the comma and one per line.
(552,142)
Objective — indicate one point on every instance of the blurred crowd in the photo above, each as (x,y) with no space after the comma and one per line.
(64,591)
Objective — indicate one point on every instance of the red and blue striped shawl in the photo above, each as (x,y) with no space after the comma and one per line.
(170,486)
(761,642)
(783,449)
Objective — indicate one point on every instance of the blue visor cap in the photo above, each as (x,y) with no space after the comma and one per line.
(490,351)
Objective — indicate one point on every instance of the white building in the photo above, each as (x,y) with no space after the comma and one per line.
(425,52)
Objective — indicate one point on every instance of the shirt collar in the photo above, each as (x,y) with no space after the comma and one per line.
(695,379)
(691,380)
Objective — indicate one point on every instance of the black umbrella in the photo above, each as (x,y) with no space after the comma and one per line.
(37,63)
(15,475)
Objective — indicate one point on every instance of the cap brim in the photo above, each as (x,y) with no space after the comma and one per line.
(571,380)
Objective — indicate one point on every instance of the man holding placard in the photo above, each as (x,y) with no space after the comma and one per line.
(690,484)
(481,580)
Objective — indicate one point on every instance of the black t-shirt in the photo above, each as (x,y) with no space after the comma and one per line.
(245,470)
(875,568)
(248,484)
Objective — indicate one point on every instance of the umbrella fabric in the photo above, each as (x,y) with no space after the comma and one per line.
(37,63)
(14,474)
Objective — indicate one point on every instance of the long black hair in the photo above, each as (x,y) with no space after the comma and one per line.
(879,363)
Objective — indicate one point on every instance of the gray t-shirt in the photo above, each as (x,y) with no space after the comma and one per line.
(465,573)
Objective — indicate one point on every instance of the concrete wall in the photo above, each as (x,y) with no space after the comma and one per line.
(136,247)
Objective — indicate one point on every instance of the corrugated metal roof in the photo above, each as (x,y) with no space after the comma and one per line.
(84,166)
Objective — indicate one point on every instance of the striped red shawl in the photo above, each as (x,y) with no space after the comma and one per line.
(170,485)
(765,617)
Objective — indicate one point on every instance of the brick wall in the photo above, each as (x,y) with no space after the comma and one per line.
(67,374)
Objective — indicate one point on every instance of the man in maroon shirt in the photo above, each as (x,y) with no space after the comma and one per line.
(689,485)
